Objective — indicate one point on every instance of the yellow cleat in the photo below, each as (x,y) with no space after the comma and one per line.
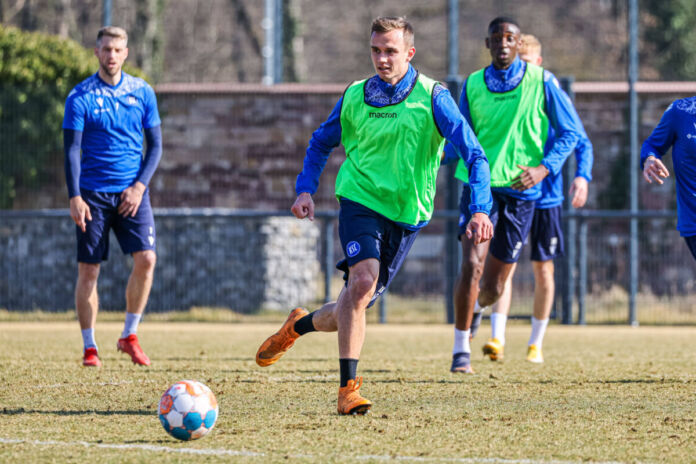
(277,344)
(350,401)
(493,349)
(534,354)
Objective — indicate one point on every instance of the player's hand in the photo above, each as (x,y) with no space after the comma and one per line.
(653,169)
(79,212)
(480,228)
(578,192)
(529,177)
(131,199)
(303,206)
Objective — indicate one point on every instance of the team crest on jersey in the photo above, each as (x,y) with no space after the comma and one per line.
(132,101)
(352,249)
(100,101)
(691,136)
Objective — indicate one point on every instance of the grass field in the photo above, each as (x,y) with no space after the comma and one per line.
(604,394)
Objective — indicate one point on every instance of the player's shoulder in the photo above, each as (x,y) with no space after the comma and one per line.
(549,77)
(685,105)
(86,86)
(132,84)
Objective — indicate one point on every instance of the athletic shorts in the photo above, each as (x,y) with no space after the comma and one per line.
(546,234)
(133,233)
(691,243)
(366,234)
(511,218)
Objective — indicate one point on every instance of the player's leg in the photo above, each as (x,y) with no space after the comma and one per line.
(501,309)
(512,228)
(92,249)
(87,306)
(137,237)
(466,289)
(547,244)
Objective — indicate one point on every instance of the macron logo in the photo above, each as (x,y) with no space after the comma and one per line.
(382,115)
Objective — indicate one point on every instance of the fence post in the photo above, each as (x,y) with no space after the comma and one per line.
(582,271)
(633,257)
(454,83)
(571,226)
(328,257)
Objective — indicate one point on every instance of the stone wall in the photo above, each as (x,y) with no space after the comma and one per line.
(205,258)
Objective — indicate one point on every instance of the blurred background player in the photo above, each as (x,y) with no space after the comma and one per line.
(510,105)
(107,178)
(393,127)
(676,129)
(546,237)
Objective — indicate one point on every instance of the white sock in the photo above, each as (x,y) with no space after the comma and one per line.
(131,325)
(88,338)
(461,341)
(498,322)
(538,331)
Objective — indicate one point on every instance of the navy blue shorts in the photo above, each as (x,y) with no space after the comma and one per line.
(133,233)
(511,218)
(547,234)
(366,234)
(691,242)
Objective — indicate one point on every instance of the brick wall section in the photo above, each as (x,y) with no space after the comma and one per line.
(217,260)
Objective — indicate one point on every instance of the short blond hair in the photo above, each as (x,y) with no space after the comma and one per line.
(112,31)
(392,23)
(529,44)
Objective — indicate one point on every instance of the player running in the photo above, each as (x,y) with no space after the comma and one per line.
(392,126)
(510,105)
(107,179)
(546,237)
(676,129)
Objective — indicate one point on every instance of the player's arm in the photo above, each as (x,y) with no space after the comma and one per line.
(455,128)
(132,197)
(655,147)
(323,141)
(584,157)
(560,111)
(72,145)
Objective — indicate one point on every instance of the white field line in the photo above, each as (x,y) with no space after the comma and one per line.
(92,384)
(225,452)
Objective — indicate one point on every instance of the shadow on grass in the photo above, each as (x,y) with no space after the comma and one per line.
(18,411)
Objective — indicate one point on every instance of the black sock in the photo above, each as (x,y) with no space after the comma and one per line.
(349,370)
(304,325)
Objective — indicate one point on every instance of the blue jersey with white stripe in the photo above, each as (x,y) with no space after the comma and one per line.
(112,119)
(677,129)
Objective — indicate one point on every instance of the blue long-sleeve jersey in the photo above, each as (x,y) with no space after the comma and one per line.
(552,185)
(677,129)
(448,119)
(559,110)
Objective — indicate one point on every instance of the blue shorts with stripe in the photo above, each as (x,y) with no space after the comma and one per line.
(366,234)
(547,234)
(511,218)
(133,233)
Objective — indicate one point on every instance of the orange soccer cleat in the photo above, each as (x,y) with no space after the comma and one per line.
(277,344)
(493,349)
(131,346)
(350,401)
(91,358)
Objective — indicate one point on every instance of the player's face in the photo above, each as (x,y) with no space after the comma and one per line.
(503,41)
(111,52)
(532,57)
(390,55)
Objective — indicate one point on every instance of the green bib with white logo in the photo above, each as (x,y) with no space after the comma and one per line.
(512,127)
(392,153)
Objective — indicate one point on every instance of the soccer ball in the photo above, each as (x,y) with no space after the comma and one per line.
(188,410)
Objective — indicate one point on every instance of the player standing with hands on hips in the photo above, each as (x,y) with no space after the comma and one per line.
(107,178)
(393,126)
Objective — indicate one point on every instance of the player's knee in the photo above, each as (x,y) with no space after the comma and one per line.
(88,272)
(144,261)
(361,287)
(544,274)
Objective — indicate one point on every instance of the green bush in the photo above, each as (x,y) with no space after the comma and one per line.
(36,73)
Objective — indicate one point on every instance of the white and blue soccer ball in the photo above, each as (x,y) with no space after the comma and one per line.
(188,410)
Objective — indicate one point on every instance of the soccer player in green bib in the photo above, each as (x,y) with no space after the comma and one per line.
(510,105)
(393,127)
